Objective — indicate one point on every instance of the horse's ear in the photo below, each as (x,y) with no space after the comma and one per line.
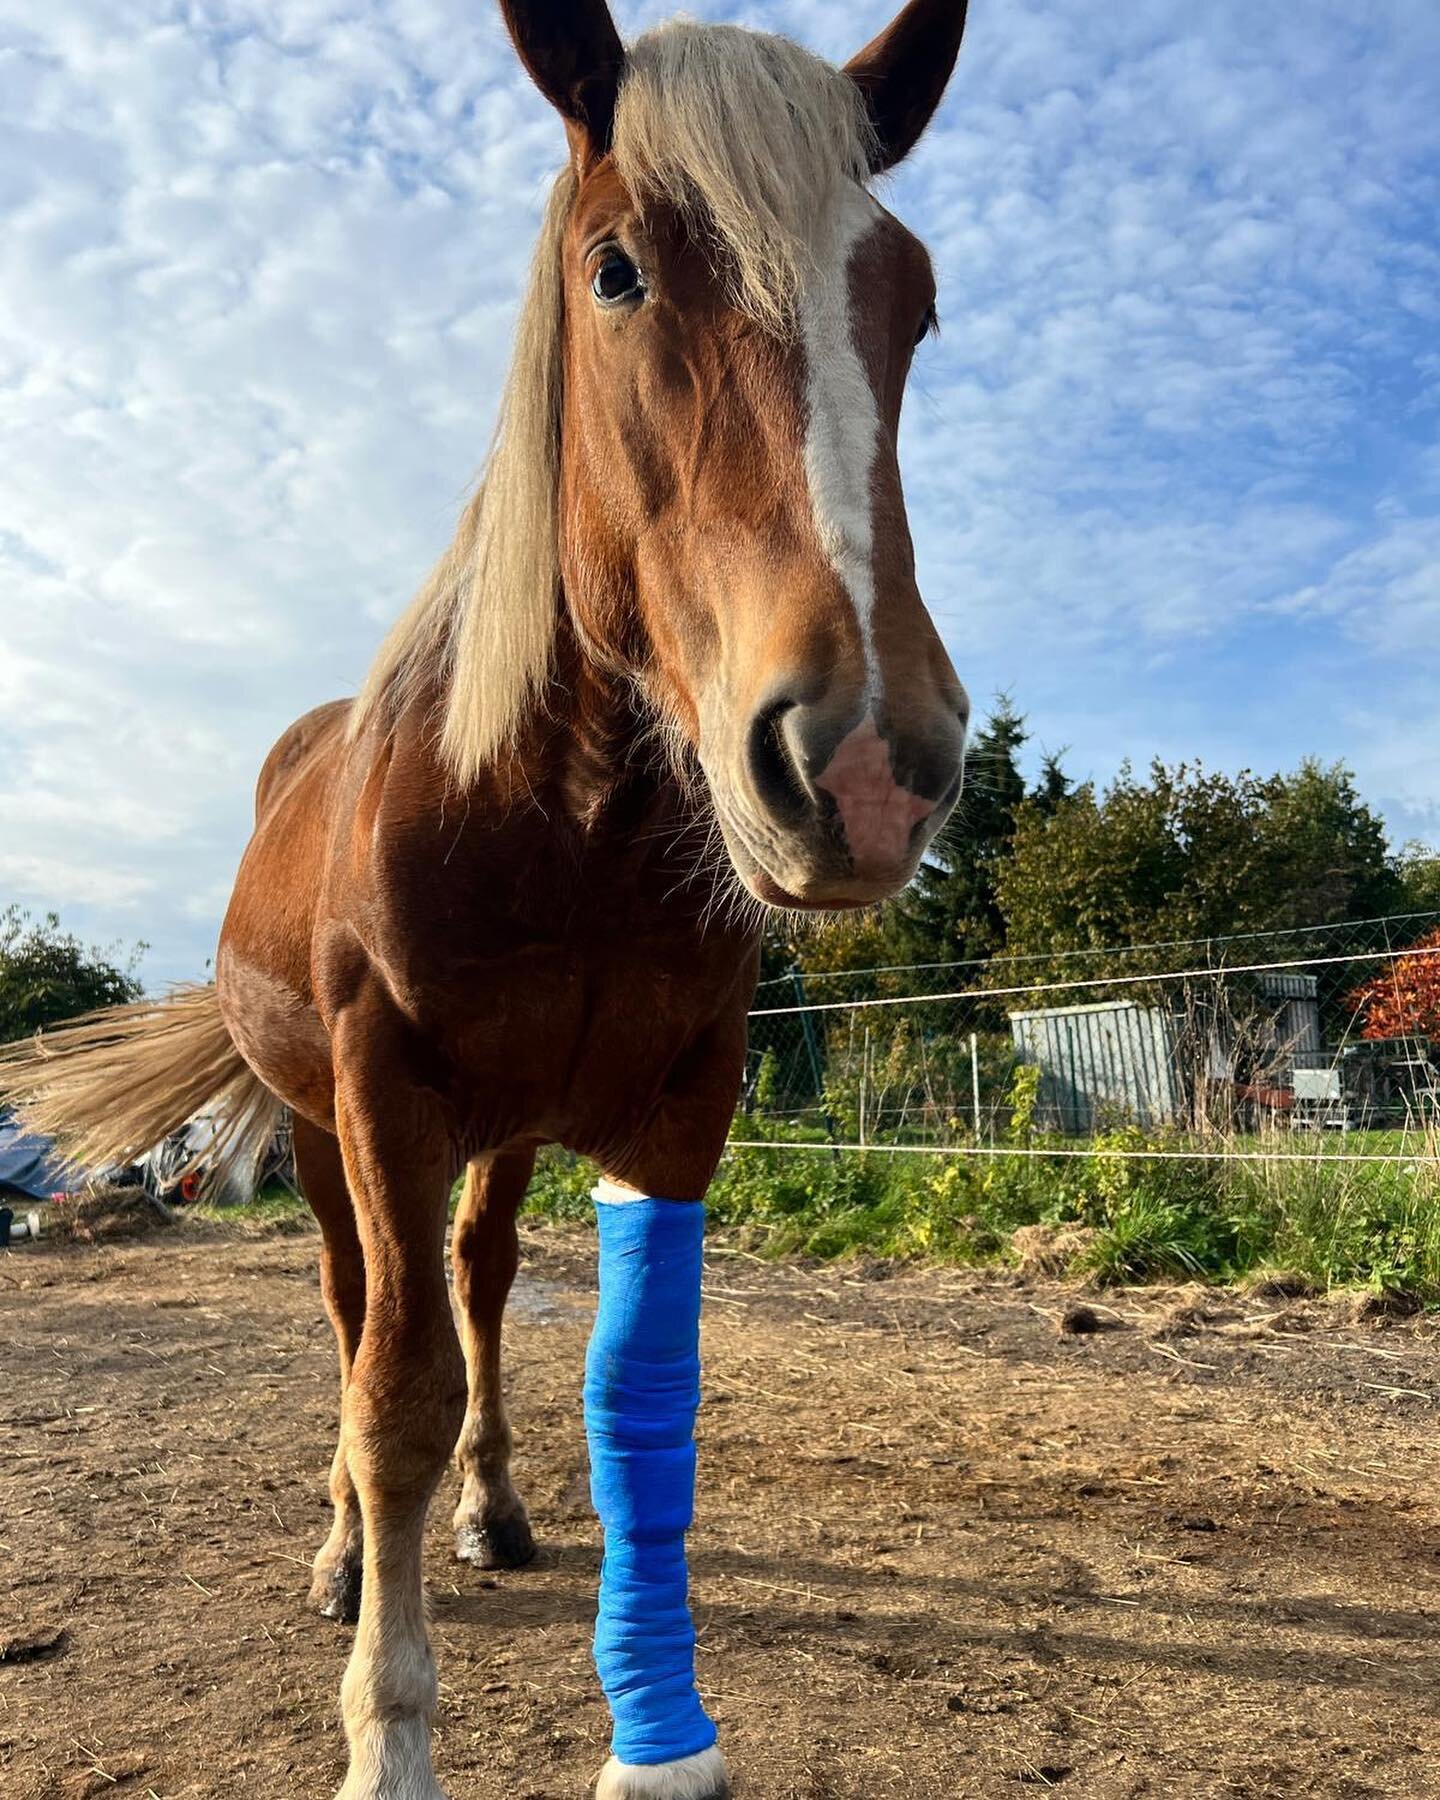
(904,71)
(574,55)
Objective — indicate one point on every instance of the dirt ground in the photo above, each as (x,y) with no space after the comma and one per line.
(946,1548)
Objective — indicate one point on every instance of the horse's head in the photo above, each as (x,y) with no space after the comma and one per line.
(740,316)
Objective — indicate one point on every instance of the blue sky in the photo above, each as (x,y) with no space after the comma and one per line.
(1173,464)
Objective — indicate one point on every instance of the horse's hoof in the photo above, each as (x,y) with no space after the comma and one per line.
(505,1543)
(336,1593)
(702,1777)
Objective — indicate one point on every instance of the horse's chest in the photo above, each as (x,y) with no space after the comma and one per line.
(556,1047)
(550,1024)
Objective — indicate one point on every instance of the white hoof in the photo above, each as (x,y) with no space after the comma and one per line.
(702,1777)
(433,1792)
(416,1788)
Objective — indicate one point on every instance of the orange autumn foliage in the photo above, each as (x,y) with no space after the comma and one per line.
(1405,1000)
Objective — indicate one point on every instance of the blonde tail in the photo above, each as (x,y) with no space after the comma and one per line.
(114,1084)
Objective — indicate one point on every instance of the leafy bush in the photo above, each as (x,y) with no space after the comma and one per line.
(47,975)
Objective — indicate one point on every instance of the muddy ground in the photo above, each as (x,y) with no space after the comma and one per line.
(946,1548)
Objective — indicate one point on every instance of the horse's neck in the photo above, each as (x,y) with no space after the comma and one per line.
(587,737)
(591,777)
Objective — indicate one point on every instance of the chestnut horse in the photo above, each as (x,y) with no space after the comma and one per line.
(673,670)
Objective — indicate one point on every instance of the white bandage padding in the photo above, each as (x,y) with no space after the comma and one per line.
(608,1193)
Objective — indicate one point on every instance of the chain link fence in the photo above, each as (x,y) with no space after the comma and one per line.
(1218,1042)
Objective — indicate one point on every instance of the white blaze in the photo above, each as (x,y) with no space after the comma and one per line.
(842,437)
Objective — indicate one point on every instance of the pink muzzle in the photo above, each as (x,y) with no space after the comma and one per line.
(879,815)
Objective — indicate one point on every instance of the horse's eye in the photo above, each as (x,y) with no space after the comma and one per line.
(928,325)
(616,279)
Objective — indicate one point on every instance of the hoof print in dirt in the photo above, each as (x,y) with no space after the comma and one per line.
(1384,1303)
(504,1544)
(34,1646)
(339,1597)
(1079,1320)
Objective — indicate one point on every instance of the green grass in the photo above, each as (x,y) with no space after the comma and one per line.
(1179,1218)
(274,1207)
(1337,1224)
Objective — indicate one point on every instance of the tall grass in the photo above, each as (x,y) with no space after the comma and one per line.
(1181,1217)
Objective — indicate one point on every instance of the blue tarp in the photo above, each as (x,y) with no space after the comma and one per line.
(30,1164)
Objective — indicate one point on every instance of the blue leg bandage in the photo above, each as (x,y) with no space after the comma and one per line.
(642,1390)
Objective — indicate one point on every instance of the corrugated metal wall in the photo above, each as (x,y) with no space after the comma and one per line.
(1101,1064)
(1296,1030)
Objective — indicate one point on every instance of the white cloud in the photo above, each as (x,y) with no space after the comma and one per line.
(1386,591)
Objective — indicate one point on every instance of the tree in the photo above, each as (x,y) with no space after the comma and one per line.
(1404,1001)
(830,944)
(1419,871)
(1053,787)
(1322,850)
(1190,853)
(47,975)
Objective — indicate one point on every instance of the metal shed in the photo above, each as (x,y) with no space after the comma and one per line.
(1101,1063)
(1294,1028)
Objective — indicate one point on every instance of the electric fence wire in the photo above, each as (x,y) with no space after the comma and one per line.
(1211,972)
(1101,1153)
(1217,940)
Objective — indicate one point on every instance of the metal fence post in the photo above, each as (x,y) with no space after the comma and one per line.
(807,1025)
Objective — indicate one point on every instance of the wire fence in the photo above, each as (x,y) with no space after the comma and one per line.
(1258,1046)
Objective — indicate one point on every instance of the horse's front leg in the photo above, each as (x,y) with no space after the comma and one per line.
(642,1391)
(492,1529)
(403,1405)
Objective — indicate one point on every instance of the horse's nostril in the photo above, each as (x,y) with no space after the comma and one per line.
(952,793)
(772,768)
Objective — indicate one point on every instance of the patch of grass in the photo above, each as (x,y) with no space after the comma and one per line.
(1180,1217)
(1370,1225)
(1152,1238)
(274,1208)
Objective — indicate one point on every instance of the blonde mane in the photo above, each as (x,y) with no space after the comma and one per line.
(753,139)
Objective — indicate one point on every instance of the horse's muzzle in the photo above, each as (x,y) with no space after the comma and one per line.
(835,810)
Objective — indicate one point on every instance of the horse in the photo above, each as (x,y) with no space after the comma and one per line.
(673,672)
